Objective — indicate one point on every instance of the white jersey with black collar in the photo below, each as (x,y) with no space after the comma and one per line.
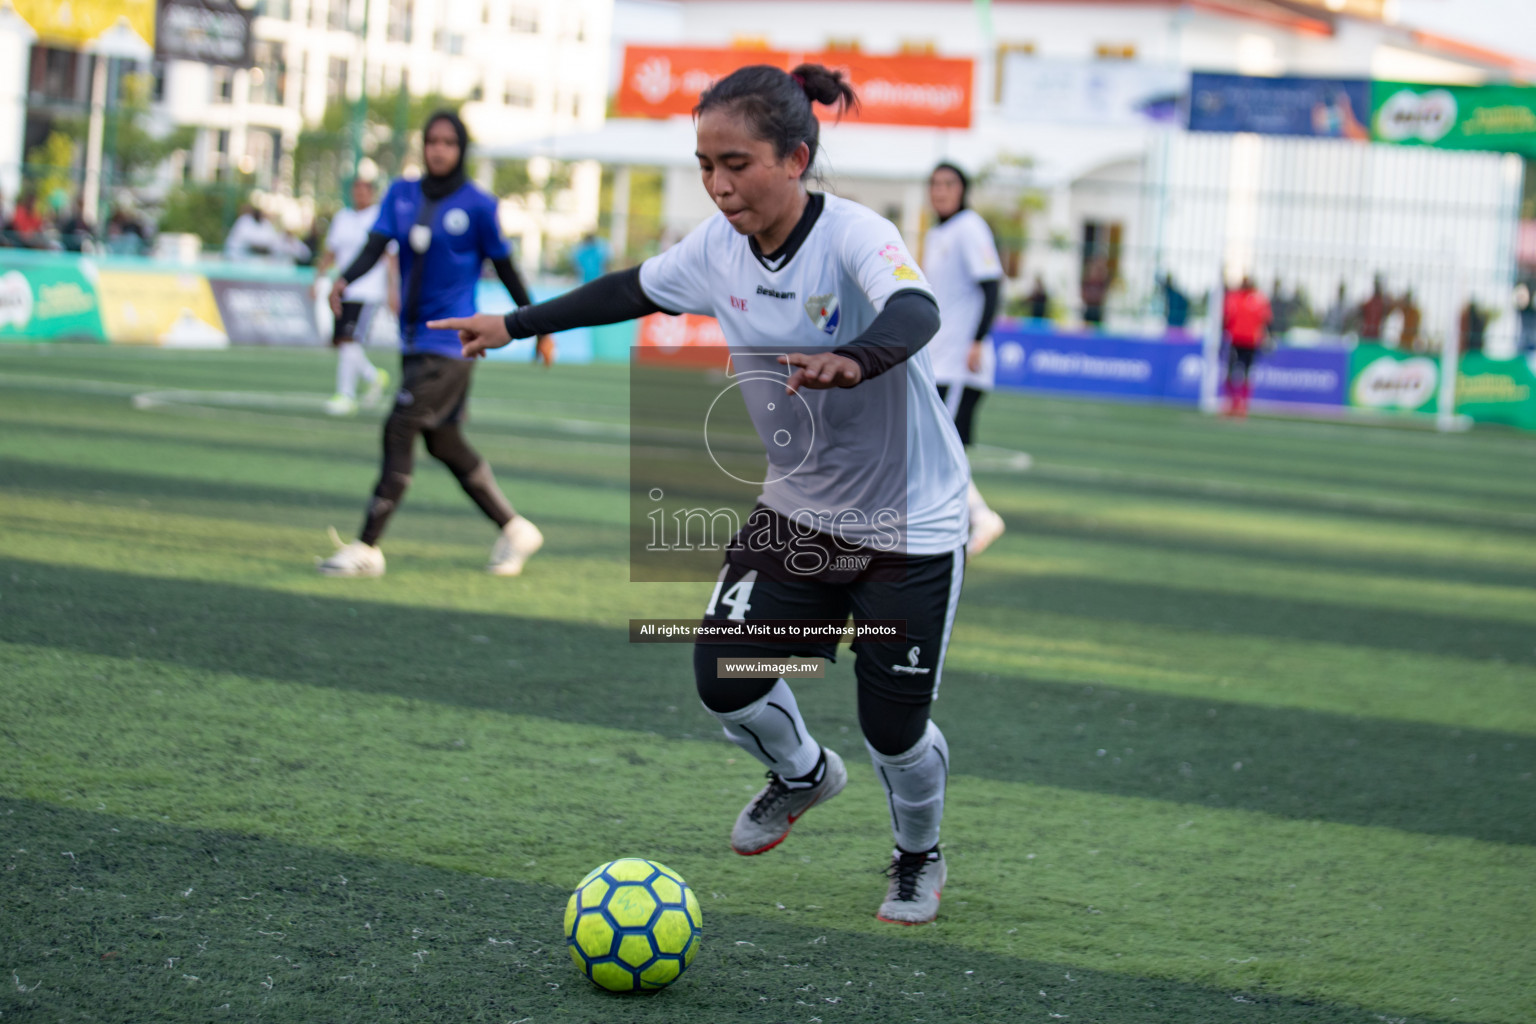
(822,289)
(958,255)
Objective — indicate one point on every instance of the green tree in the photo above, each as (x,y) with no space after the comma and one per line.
(322,159)
(51,165)
(205,209)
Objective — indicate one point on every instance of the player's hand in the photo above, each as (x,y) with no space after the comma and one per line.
(973,358)
(823,370)
(336,290)
(544,350)
(477,333)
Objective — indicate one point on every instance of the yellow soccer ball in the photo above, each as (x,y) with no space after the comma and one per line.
(633,925)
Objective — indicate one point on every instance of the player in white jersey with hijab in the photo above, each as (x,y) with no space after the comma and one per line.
(960,259)
(346,237)
(830,284)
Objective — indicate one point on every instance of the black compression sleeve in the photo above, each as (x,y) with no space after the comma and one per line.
(372,250)
(510,278)
(907,323)
(610,299)
(989,294)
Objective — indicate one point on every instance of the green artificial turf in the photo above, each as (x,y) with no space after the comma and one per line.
(1242,717)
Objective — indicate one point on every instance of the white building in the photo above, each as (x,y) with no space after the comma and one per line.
(1048,123)
(520,68)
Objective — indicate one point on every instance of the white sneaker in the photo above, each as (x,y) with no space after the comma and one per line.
(764,822)
(985,528)
(341,405)
(354,559)
(917,881)
(375,392)
(518,541)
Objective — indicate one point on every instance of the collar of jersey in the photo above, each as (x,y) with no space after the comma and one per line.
(780,257)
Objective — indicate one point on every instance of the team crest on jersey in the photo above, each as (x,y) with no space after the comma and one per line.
(455,222)
(823,311)
(901,269)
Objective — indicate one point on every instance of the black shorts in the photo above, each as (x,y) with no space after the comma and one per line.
(1240,363)
(964,410)
(353,324)
(434,390)
(920,597)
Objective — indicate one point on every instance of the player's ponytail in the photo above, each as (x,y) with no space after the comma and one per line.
(776,105)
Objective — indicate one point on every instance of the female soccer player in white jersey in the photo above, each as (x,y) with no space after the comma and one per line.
(830,283)
(960,259)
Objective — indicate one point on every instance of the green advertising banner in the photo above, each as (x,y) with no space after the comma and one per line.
(1391,381)
(1496,390)
(1493,117)
(46,298)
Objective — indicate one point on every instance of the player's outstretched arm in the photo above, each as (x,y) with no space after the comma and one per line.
(823,370)
(477,334)
(909,321)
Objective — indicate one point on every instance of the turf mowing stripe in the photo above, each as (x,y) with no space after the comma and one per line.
(1222,899)
(1289,761)
(154,921)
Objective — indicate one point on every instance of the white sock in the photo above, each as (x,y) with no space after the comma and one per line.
(914,786)
(976,501)
(365,369)
(346,379)
(771,730)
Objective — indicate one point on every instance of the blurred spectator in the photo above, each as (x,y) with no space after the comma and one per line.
(254,236)
(1474,327)
(591,257)
(1525,309)
(1373,312)
(1038,302)
(125,233)
(1175,304)
(28,226)
(1408,334)
(74,230)
(1336,320)
(1245,319)
(1095,290)
(1283,309)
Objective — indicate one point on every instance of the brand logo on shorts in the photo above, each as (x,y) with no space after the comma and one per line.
(404,397)
(911,667)
(823,311)
(455,222)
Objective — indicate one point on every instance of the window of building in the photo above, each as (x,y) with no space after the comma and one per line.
(401,14)
(157,81)
(269,76)
(478,92)
(524,19)
(282,10)
(336,78)
(519,94)
(221,85)
(338,15)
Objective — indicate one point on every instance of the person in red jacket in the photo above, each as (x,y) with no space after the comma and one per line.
(1245,319)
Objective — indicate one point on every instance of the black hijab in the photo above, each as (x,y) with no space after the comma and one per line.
(965,185)
(434,186)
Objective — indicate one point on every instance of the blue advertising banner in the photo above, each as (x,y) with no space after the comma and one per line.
(1092,364)
(1326,108)
(1307,376)
(1156,370)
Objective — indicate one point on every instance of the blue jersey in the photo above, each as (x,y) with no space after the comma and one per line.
(464,234)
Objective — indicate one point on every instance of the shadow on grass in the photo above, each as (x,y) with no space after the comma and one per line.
(1060,528)
(1195,610)
(149,921)
(1295,763)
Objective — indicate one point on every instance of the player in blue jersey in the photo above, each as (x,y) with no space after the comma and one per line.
(446,228)
(830,283)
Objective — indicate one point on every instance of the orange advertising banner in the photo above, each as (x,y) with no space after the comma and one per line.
(931,92)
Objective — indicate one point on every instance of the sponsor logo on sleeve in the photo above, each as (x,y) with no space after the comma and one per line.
(901,263)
